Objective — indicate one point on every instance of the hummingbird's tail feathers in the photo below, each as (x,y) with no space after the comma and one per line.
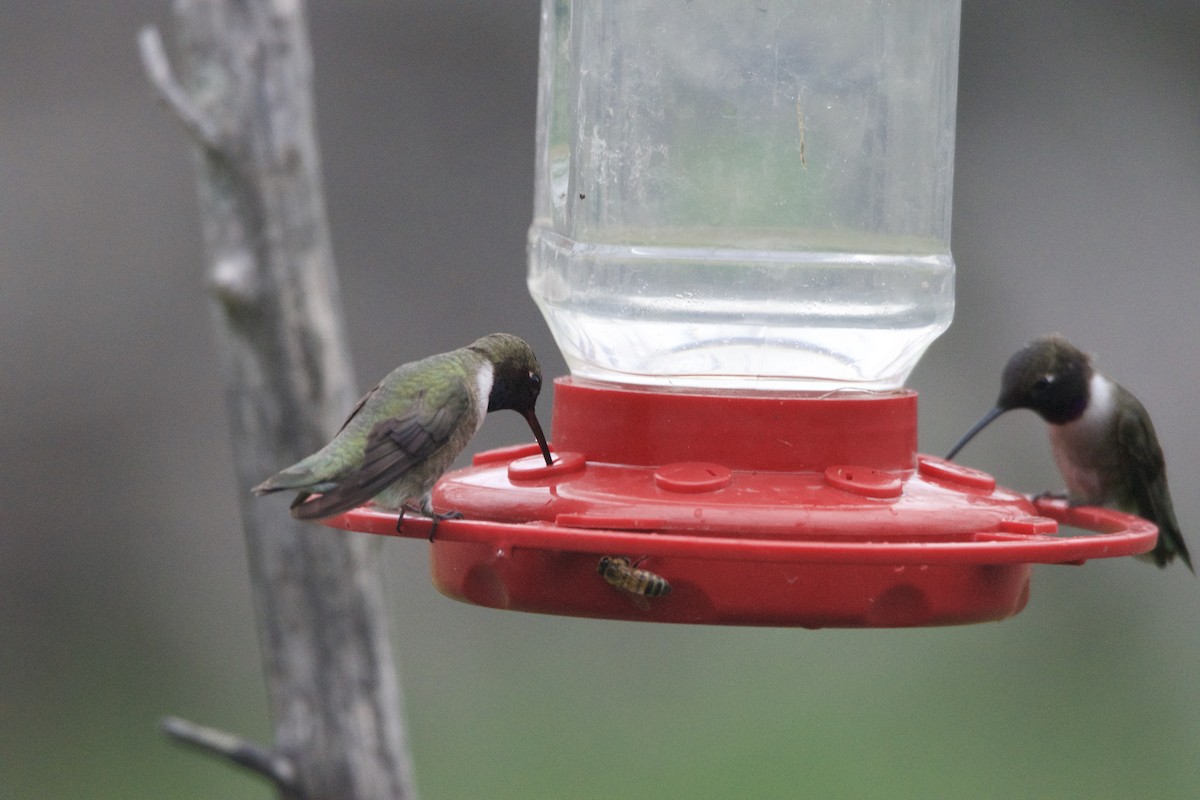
(264,488)
(1156,507)
(325,505)
(381,468)
(270,485)
(296,477)
(1169,546)
(1162,557)
(1153,500)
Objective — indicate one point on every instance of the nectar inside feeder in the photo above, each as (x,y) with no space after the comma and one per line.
(741,245)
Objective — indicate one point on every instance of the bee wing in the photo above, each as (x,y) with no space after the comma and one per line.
(394,446)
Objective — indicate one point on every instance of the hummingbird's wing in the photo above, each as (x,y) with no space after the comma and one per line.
(395,446)
(362,401)
(1146,480)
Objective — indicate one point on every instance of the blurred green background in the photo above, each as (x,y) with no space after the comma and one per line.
(123,593)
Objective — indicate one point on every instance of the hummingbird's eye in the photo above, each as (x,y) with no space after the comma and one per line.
(1042,384)
(535,379)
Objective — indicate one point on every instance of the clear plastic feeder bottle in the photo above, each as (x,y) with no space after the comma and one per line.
(745,195)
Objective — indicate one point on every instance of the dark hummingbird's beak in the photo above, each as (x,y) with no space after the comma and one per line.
(531,418)
(976,428)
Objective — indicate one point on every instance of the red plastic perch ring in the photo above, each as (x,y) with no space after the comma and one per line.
(787,510)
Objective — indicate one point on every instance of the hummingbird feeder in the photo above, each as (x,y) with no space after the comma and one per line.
(741,243)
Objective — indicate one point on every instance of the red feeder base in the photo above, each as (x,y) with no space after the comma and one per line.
(787,510)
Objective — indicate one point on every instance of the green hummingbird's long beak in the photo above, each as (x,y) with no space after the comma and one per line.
(976,428)
(531,418)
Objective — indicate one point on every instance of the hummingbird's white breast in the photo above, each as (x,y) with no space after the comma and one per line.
(483,384)
(1079,446)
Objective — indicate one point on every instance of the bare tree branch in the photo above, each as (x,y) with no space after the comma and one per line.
(158,70)
(256,758)
(244,95)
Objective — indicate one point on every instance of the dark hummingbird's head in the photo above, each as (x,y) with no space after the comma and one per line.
(516,380)
(1049,376)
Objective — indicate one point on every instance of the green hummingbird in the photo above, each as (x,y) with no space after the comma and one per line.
(1100,435)
(406,432)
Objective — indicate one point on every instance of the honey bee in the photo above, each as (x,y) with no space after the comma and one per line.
(625,575)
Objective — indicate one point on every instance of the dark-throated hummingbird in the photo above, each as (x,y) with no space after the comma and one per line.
(1101,436)
(404,434)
